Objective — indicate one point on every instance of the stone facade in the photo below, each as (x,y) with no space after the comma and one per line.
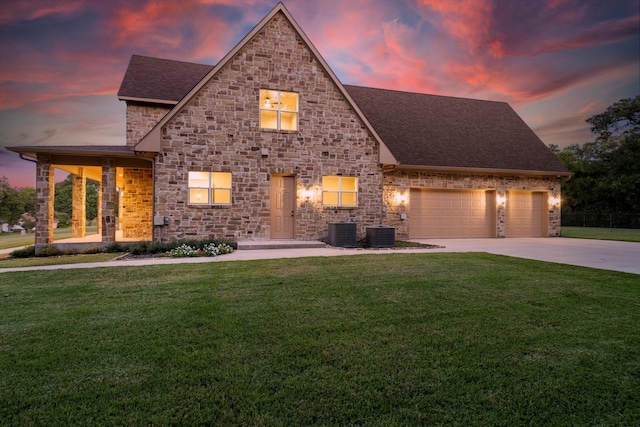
(141,118)
(136,203)
(402,181)
(219,130)
(79,204)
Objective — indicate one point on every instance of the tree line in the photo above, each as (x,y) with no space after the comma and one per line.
(605,172)
(16,202)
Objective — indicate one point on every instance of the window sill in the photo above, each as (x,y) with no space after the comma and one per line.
(210,206)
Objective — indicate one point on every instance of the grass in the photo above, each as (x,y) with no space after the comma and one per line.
(14,240)
(620,234)
(6,262)
(397,339)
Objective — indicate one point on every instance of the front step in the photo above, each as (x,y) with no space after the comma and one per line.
(279,244)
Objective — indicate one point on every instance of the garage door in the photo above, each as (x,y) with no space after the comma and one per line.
(525,214)
(451,213)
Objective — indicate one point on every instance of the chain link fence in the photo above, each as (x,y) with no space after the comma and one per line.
(602,220)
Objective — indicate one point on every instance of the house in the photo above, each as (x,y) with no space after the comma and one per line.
(269,144)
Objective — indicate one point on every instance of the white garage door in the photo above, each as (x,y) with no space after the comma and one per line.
(525,214)
(451,213)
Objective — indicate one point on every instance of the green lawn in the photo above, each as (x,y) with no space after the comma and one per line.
(397,339)
(621,234)
(14,240)
(7,262)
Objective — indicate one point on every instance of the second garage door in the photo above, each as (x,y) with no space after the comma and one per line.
(525,214)
(451,213)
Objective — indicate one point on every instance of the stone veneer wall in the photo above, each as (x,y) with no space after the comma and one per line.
(403,181)
(137,204)
(219,130)
(141,119)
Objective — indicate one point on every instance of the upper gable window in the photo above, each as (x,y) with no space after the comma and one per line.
(278,110)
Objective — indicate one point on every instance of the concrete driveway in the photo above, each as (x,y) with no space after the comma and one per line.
(603,254)
(607,255)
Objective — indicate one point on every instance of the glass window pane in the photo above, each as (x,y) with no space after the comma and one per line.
(288,121)
(198,196)
(199,179)
(268,99)
(349,183)
(221,196)
(268,119)
(221,180)
(329,198)
(331,183)
(349,199)
(288,101)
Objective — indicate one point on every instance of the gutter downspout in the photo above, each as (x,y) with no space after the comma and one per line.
(28,160)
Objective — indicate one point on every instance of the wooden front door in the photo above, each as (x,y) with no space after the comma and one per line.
(283,205)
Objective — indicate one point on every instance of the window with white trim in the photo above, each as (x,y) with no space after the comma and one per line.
(278,110)
(209,188)
(340,191)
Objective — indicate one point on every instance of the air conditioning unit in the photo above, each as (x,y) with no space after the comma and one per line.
(342,234)
(381,236)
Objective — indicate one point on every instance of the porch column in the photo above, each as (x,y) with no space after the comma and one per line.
(99,207)
(45,192)
(108,214)
(79,204)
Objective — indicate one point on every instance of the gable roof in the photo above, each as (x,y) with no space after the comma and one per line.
(161,81)
(448,133)
(152,140)
(414,130)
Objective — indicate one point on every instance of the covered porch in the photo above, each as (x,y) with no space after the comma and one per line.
(125,193)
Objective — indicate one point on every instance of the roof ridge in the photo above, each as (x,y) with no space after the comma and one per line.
(172,60)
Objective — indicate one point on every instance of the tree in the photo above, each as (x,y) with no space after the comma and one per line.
(10,205)
(606,171)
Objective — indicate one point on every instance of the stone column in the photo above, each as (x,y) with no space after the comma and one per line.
(45,192)
(108,214)
(79,204)
(501,213)
(99,207)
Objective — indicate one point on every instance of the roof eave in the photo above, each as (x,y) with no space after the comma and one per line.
(483,171)
(147,100)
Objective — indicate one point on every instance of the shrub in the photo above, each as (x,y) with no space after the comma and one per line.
(47,251)
(212,249)
(27,252)
(71,251)
(91,250)
(115,247)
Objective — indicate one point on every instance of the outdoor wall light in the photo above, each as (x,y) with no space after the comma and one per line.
(306,194)
(501,199)
(401,198)
(554,200)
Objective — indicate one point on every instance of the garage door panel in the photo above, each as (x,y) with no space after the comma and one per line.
(450,213)
(525,214)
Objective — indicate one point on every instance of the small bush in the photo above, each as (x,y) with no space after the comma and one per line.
(91,250)
(115,247)
(71,251)
(183,251)
(47,251)
(28,252)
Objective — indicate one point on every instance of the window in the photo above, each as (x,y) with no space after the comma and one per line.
(278,110)
(210,188)
(340,191)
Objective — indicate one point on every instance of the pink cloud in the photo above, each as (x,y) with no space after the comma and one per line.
(15,11)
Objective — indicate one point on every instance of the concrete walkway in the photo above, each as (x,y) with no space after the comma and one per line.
(607,255)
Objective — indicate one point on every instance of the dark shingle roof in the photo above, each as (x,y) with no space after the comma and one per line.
(160,79)
(441,131)
(418,129)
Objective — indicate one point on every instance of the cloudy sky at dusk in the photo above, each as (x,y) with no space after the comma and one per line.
(557,62)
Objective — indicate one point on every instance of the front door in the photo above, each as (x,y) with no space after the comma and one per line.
(283,204)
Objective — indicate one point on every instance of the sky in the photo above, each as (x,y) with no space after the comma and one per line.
(556,62)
